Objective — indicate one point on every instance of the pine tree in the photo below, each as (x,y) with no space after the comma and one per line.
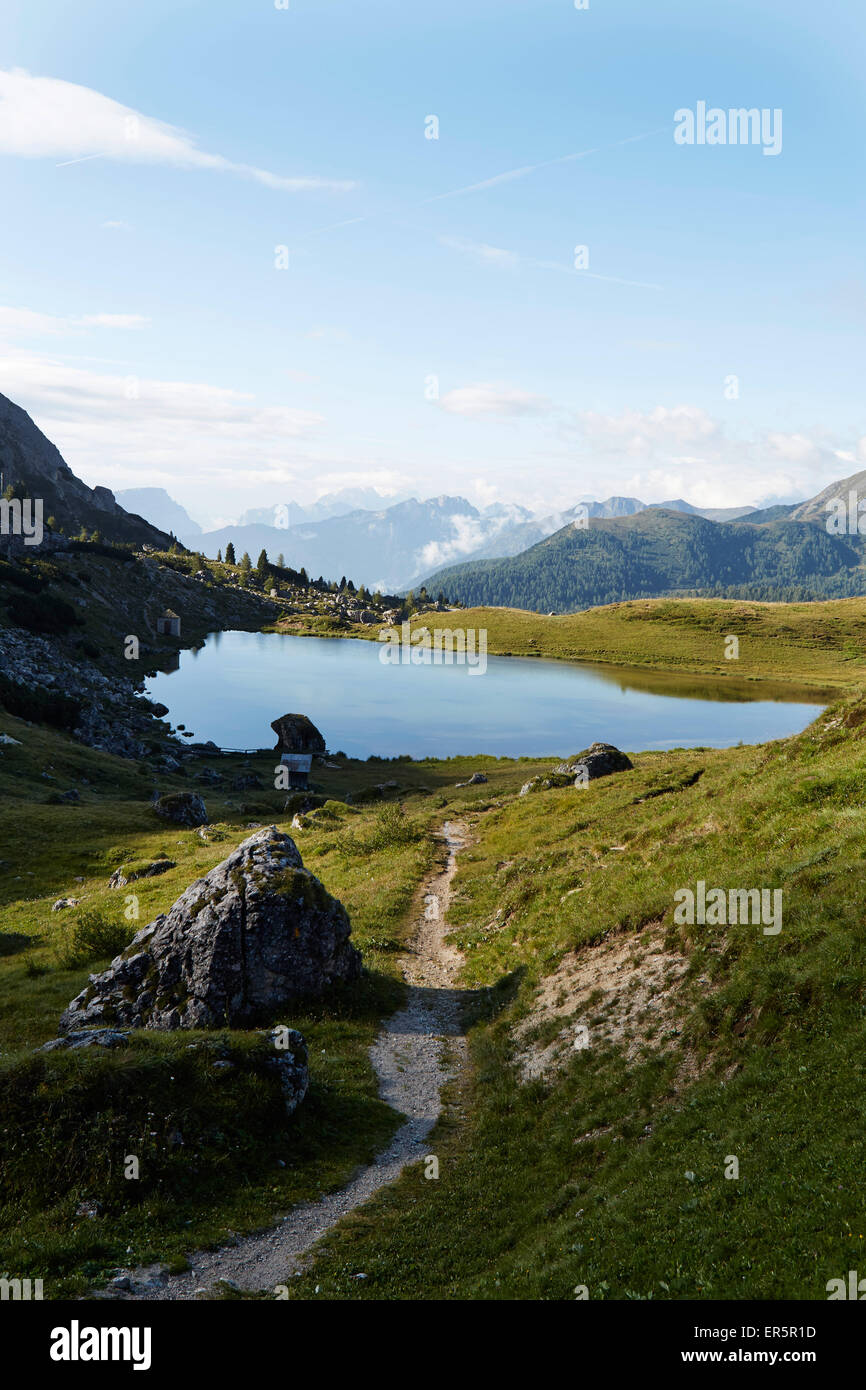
(230,554)
(263,567)
(219,557)
(281,560)
(246,564)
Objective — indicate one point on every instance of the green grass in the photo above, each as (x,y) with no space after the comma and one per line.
(581,1179)
(67,1120)
(577,1180)
(791,646)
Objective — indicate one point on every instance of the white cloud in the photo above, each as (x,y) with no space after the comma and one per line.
(495,256)
(128,431)
(485,399)
(47,118)
(30,323)
(469,534)
(637,432)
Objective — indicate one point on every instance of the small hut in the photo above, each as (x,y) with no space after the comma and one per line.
(168,624)
(299,765)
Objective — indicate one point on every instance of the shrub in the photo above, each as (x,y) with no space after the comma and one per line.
(42,614)
(90,936)
(40,706)
(390,829)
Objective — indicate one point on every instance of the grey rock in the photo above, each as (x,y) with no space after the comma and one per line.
(63,903)
(121,877)
(182,808)
(297,734)
(600,760)
(257,933)
(475,780)
(87,1037)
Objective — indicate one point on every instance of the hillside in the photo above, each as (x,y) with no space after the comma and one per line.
(34,468)
(679,645)
(655,553)
(704,1042)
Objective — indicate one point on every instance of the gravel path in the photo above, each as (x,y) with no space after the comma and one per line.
(419,1049)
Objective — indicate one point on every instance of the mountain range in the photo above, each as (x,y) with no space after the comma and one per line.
(397,546)
(660,552)
(589,554)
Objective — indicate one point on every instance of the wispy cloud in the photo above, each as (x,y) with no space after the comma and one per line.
(48,118)
(30,323)
(510,175)
(485,399)
(489,255)
(143,426)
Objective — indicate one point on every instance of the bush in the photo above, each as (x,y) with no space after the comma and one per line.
(44,613)
(91,935)
(390,829)
(40,706)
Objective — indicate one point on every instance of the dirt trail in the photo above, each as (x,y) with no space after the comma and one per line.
(419,1049)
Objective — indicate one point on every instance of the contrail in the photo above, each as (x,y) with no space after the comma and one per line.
(83,160)
(510,174)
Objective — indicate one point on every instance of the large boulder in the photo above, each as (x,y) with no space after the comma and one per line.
(599,760)
(297,734)
(182,808)
(254,935)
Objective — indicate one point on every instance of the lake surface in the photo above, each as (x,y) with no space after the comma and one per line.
(231,689)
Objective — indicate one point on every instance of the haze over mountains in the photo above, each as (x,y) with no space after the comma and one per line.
(784,553)
(384,543)
(591,553)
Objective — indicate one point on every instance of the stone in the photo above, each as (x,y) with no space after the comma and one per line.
(182,808)
(63,903)
(599,760)
(258,933)
(289,1064)
(246,781)
(475,780)
(297,734)
(129,873)
(87,1037)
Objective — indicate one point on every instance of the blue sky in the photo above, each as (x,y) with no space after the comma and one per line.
(144,324)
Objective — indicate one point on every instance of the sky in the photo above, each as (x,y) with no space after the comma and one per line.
(234,265)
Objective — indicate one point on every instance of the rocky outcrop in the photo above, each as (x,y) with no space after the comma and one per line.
(599,760)
(182,808)
(256,934)
(104,711)
(289,1063)
(30,460)
(297,734)
(130,872)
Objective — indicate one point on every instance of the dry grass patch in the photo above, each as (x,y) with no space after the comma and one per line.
(625,990)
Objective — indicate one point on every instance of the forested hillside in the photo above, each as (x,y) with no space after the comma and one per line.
(659,553)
